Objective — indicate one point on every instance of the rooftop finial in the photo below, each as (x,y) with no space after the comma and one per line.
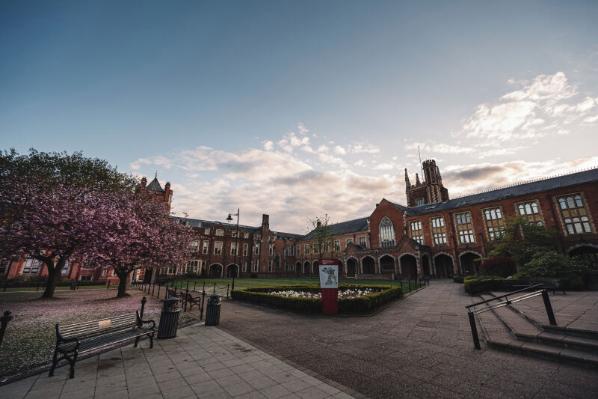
(156,176)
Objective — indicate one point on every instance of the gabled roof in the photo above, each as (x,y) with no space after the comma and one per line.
(587,176)
(155,186)
(350,226)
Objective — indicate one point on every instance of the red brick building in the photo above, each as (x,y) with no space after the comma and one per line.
(433,235)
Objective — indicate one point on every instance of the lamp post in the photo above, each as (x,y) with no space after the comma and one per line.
(230,219)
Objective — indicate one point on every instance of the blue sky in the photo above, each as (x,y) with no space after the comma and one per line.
(296,108)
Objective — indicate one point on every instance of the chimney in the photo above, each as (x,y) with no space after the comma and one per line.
(265,221)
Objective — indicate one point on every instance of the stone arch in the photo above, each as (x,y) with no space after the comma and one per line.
(408,264)
(352,267)
(443,263)
(387,264)
(470,262)
(216,270)
(588,252)
(306,267)
(232,270)
(368,265)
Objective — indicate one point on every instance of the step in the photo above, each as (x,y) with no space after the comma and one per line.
(562,341)
(573,332)
(569,356)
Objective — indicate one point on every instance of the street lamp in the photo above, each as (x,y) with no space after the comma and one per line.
(230,219)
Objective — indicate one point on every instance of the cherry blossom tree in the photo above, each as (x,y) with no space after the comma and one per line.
(45,203)
(132,231)
(50,225)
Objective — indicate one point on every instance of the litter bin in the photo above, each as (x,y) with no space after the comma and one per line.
(169,318)
(213,311)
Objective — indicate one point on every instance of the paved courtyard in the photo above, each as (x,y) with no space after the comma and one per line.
(419,347)
(202,362)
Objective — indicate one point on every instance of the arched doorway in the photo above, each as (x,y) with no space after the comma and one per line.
(215,270)
(426,270)
(232,271)
(470,262)
(444,266)
(368,264)
(351,267)
(306,268)
(586,253)
(387,264)
(408,267)
(315,268)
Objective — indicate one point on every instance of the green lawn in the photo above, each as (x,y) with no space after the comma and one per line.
(242,283)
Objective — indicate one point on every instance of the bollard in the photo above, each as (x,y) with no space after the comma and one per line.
(143,301)
(159,286)
(227,287)
(153,288)
(194,284)
(187,285)
(4,323)
(203,297)
(474,330)
(185,300)
(548,307)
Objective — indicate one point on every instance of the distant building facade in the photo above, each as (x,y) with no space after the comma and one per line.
(432,235)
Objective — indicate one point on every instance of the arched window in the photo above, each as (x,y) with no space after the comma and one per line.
(387,233)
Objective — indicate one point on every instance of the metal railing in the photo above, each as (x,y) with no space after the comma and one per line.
(506,300)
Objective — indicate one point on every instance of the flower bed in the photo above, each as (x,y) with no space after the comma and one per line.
(352,299)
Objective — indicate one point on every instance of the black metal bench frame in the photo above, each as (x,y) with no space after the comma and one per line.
(96,336)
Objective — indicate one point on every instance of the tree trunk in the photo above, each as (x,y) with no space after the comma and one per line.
(54,270)
(122,284)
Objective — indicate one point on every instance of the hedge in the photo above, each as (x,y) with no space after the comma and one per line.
(364,304)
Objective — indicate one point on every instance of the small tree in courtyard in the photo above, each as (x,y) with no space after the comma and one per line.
(321,235)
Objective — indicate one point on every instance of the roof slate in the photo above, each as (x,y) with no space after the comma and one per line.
(155,186)
(350,226)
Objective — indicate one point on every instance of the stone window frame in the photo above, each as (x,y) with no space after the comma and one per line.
(471,230)
(233,248)
(205,247)
(535,218)
(419,237)
(363,241)
(218,247)
(389,230)
(219,233)
(495,226)
(562,217)
(438,231)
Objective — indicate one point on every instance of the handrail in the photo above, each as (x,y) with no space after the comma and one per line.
(471,313)
(504,295)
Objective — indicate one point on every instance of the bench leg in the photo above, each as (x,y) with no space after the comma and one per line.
(136,341)
(151,337)
(73,361)
(54,361)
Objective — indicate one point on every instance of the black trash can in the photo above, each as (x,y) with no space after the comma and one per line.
(169,318)
(213,311)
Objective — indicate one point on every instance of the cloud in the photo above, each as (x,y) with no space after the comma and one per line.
(361,148)
(292,179)
(539,108)
(439,148)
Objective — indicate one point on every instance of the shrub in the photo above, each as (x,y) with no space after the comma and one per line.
(457,278)
(362,304)
(475,285)
(502,266)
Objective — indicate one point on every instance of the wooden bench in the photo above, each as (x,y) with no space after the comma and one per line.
(96,336)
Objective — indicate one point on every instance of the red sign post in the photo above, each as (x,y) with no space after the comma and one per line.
(329,277)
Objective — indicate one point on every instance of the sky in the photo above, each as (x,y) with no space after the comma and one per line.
(302,108)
